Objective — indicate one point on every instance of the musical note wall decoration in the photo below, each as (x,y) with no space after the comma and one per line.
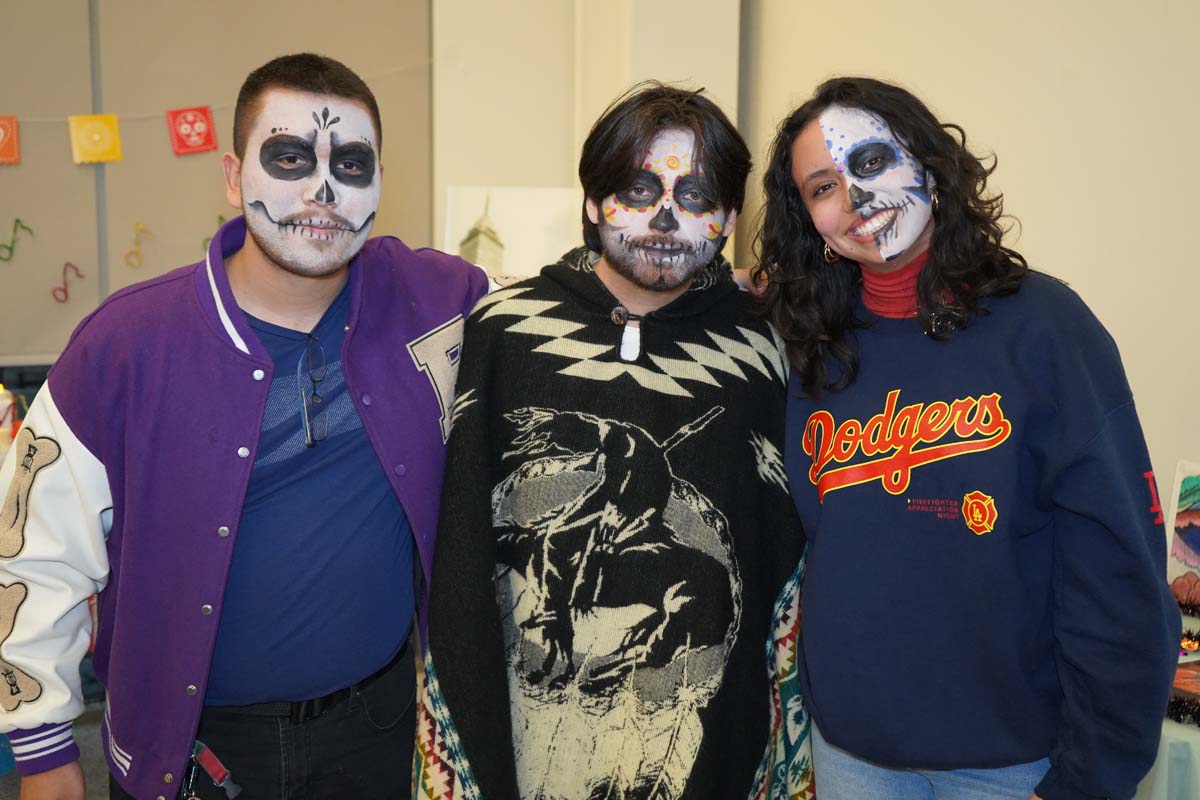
(62,293)
(133,256)
(6,250)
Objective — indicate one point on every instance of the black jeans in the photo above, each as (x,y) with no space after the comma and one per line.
(360,748)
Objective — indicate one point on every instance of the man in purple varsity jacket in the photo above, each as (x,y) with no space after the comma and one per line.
(244,457)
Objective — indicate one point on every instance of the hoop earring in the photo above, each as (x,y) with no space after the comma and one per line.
(830,256)
(933,200)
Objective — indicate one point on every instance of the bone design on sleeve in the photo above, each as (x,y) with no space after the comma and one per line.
(33,454)
(18,687)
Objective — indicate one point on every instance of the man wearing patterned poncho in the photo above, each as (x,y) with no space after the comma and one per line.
(614,604)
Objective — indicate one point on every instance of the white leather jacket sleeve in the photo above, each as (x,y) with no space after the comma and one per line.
(54,520)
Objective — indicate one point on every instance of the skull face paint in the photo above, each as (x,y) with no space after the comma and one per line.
(886,186)
(310,180)
(664,228)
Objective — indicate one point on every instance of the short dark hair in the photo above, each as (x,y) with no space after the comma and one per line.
(812,302)
(301,72)
(612,154)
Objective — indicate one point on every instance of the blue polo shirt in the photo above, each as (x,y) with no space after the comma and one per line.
(320,592)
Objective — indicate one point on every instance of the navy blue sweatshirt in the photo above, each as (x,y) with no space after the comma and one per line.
(985,575)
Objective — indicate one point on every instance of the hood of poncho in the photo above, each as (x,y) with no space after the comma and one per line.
(575,272)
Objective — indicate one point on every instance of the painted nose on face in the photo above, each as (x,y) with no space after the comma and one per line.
(664,221)
(859,198)
(325,194)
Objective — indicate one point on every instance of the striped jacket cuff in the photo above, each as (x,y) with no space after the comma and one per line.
(43,748)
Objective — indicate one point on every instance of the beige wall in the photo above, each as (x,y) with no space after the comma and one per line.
(517,86)
(47,78)
(502,95)
(1090,106)
(157,56)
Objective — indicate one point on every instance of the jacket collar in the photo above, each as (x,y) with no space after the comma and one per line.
(216,296)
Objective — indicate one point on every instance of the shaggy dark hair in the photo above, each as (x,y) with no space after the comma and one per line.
(612,154)
(812,301)
(301,72)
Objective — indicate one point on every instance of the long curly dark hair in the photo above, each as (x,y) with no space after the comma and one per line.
(812,301)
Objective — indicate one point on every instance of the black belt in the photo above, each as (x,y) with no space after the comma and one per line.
(301,711)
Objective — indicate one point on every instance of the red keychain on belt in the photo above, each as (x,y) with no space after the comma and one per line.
(213,767)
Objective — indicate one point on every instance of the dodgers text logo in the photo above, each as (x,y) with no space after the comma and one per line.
(899,439)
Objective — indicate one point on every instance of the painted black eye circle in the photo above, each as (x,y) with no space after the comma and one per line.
(870,159)
(645,190)
(291,161)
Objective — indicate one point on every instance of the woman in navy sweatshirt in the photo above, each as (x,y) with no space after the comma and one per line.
(985,612)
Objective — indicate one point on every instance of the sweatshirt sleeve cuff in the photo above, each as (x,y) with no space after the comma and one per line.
(43,748)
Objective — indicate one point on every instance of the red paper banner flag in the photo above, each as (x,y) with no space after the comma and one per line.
(192,130)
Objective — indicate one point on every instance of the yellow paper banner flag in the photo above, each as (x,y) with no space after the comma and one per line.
(95,138)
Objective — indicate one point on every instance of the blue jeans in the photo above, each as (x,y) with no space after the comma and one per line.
(841,776)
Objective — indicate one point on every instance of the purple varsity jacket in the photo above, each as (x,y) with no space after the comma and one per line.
(152,415)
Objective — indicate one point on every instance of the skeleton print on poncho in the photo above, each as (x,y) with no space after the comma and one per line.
(615,536)
(617,584)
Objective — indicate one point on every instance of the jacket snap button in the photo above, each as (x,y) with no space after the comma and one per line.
(223,531)
(401,469)
(168,778)
(259,374)
(206,609)
(191,689)
(243,452)
(366,398)
(619,315)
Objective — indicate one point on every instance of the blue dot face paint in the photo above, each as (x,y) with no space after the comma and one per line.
(887,187)
(310,180)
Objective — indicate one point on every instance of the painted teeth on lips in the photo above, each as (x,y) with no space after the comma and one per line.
(660,245)
(875,224)
(317,225)
(322,223)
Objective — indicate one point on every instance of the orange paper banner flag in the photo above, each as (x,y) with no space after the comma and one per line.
(95,138)
(10,141)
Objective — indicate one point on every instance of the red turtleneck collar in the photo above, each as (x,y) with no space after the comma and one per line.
(893,294)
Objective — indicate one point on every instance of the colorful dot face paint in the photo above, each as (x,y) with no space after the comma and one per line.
(665,227)
(310,180)
(885,184)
